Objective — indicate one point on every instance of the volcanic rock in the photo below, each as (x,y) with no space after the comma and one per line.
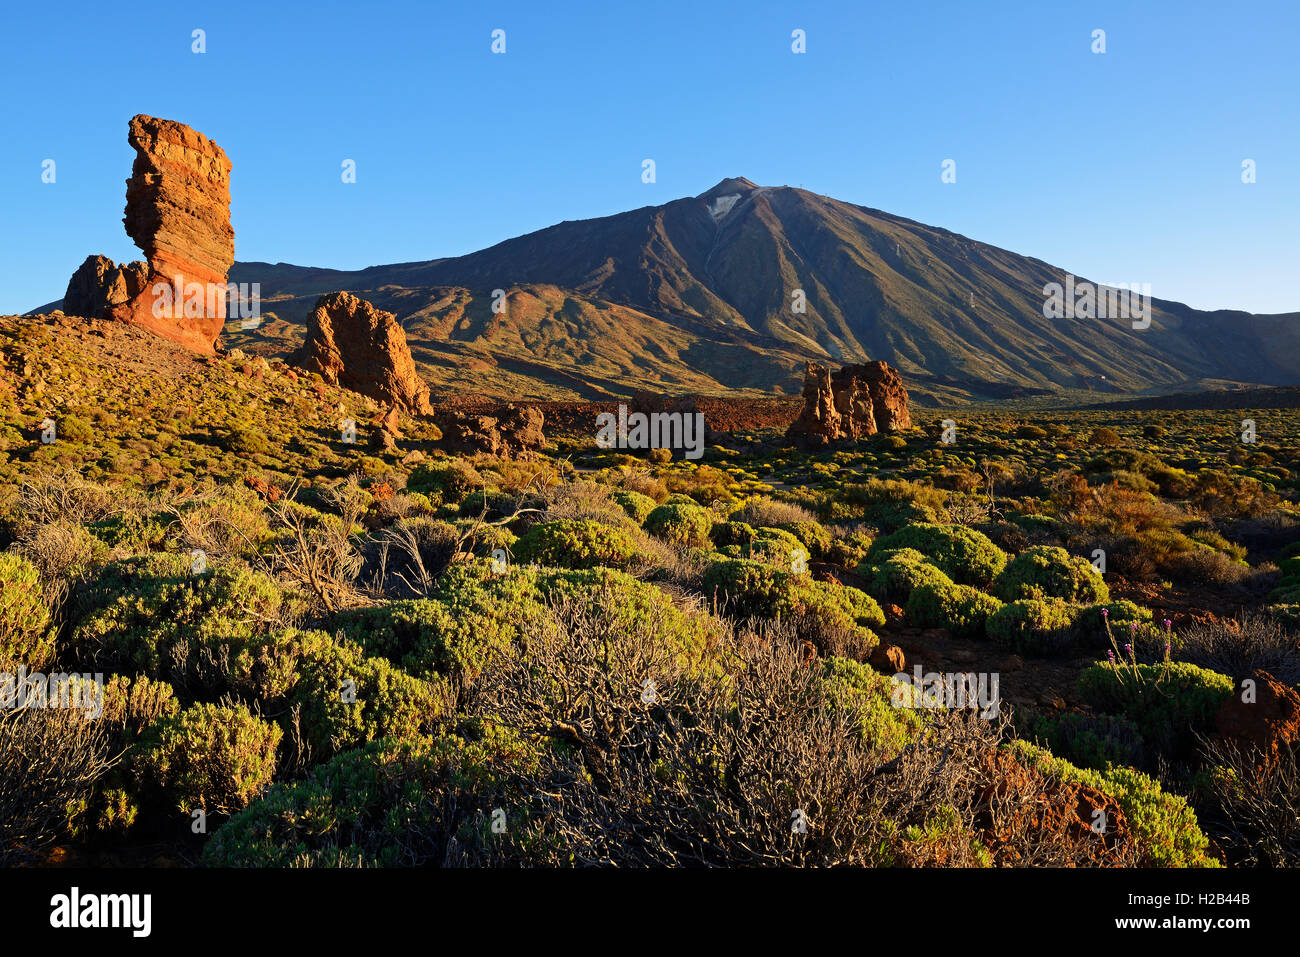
(888,395)
(516,429)
(852,398)
(1013,800)
(1269,725)
(819,420)
(352,344)
(887,659)
(178,213)
(99,284)
(855,402)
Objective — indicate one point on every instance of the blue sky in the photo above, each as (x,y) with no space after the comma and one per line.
(1122,167)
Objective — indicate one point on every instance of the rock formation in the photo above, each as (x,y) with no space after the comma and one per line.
(888,395)
(352,344)
(819,420)
(1268,726)
(515,429)
(855,402)
(99,284)
(178,213)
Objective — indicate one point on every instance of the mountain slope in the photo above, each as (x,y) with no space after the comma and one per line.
(699,291)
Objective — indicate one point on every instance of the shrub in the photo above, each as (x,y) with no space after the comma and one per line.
(50,762)
(1164,825)
(771,512)
(575,544)
(132,532)
(1103,436)
(815,538)
(637,506)
(1129,624)
(967,556)
(152,615)
(214,757)
(828,614)
(452,637)
(1168,702)
(450,481)
(133,705)
(728,534)
(691,636)
(856,686)
(1032,626)
(961,609)
(267,669)
(885,503)
(25,636)
(1047,571)
(899,574)
(780,548)
(1239,648)
(1255,806)
(680,523)
(346,699)
(388,804)
(847,549)
(1089,740)
(1221,494)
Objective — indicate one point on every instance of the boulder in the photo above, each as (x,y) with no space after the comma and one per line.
(1269,725)
(853,402)
(888,659)
(513,430)
(352,344)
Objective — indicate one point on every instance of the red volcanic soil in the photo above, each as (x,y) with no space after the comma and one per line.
(579,418)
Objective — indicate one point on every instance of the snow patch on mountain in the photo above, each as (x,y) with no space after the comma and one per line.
(721,206)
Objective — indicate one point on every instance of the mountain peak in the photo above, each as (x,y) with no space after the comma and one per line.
(732,185)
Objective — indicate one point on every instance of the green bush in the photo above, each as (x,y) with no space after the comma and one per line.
(142,612)
(962,609)
(750,589)
(25,635)
(1089,740)
(1163,825)
(450,481)
(570,543)
(132,532)
(387,804)
(1034,626)
(968,557)
(882,726)
(452,637)
(1129,624)
(814,538)
(1170,703)
(637,506)
(899,573)
(1047,571)
(847,550)
(694,637)
(681,523)
(728,534)
(267,668)
(213,757)
(884,503)
(346,699)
